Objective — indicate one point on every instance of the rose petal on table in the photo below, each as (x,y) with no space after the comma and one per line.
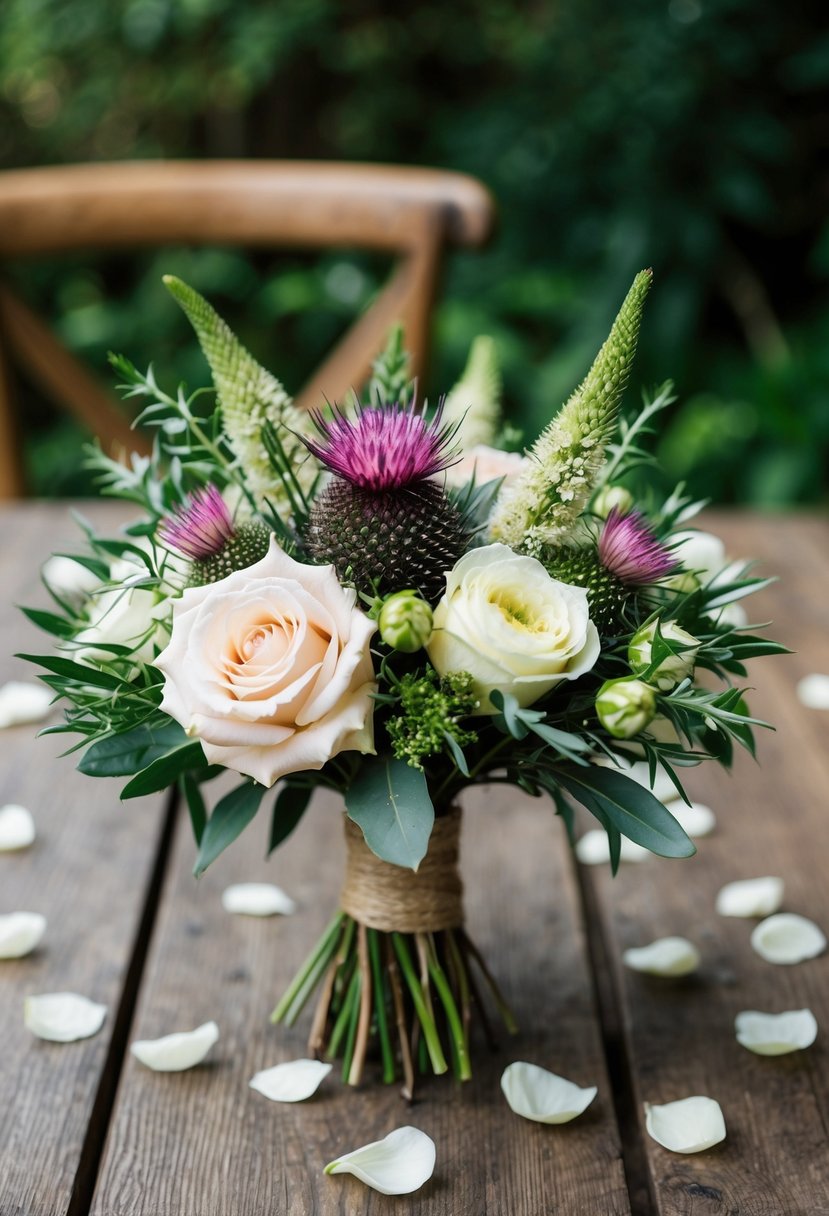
(593,849)
(257,899)
(17,828)
(787,938)
(776,1034)
(23,702)
(396,1165)
(667,956)
(176,1052)
(689,1125)
(696,820)
(20,932)
(813,691)
(293,1081)
(63,1017)
(534,1093)
(751,897)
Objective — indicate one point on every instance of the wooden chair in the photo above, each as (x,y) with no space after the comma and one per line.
(411,212)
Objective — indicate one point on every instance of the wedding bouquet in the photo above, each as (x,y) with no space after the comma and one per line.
(381,600)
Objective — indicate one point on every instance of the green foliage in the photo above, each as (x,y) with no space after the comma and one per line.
(390,801)
(231,815)
(429,715)
(390,382)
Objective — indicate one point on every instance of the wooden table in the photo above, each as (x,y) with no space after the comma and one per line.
(85,1129)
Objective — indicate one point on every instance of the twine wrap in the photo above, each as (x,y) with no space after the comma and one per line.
(396,900)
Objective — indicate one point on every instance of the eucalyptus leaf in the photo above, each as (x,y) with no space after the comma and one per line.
(131,752)
(231,815)
(389,800)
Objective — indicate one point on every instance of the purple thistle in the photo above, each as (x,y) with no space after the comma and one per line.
(384,447)
(629,548)
(201,527)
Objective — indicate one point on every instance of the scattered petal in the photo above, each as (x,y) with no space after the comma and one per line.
(751,897)
(20,932)
(687,1126)
(175,1052)
(696,819)
(788,938)
(63,1017)
(813,691)
(17,828)
(257,899)
(776,1034)
(534,1093)
(397,1165)
(667,956)
(22,702)
(293,1081)
(593,849)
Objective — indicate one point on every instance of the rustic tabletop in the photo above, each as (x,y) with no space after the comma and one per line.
(85,1129)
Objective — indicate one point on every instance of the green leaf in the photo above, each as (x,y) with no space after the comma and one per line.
(165,770)
(52,622)
(509,716)
(390,802)
(233,813)
(79,673)
(456,752)
(291,804)
(195,805)
(628,807)
(131,752)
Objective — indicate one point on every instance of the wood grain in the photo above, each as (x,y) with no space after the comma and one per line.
(87,873)
(772,819)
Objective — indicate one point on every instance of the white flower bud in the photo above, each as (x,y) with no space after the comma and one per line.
(611,498)
(625,707)
(405,622)
(674,668)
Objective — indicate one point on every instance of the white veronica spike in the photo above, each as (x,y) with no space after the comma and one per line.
(293,1081)
(20,932)
(667,956)
(257,899)
(175,1052)
(22,702)
(534,1093)
(396,1165)
(697,819)
(63,1017)
(17,828)
(788,938)
(813,691)
(593,849)
(687,1126)
(751,897)
(776,1034)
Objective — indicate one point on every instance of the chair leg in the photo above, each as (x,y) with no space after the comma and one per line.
(12,479)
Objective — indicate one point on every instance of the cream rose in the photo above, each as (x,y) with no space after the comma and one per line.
(270,668)
(511,626)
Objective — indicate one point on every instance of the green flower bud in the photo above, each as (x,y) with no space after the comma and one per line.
(674,668)
(625,707)
(611,498)
(405,622)
(682,583)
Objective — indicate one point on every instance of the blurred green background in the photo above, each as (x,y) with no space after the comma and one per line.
(689,135)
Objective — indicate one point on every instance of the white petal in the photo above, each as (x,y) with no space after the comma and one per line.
(175,1052)
(20,932)
(69,579)
(813,691)
(787,938)
(667,956)
(397,1165)
(293,1081)
(22,702)
(696,819)
(593,849)
(751,897)
(63,1017)
(17,828)
(776,1034)
(257,899)
(687,1126)
(540,1095)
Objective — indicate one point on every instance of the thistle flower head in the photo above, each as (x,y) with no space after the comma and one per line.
(201,528)
(384,447)
(629,549)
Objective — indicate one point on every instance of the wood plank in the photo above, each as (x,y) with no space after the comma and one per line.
(202,1142)
(772,819)
(88,873)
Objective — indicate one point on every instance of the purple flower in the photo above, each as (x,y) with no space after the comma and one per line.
(384,447)
(200,528)
(629,549)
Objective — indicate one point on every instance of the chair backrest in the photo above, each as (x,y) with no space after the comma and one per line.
(413,213)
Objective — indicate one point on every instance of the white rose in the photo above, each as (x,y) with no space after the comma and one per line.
(135,617)
(270,668)
(511,626)
(487,464)
(69,579)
